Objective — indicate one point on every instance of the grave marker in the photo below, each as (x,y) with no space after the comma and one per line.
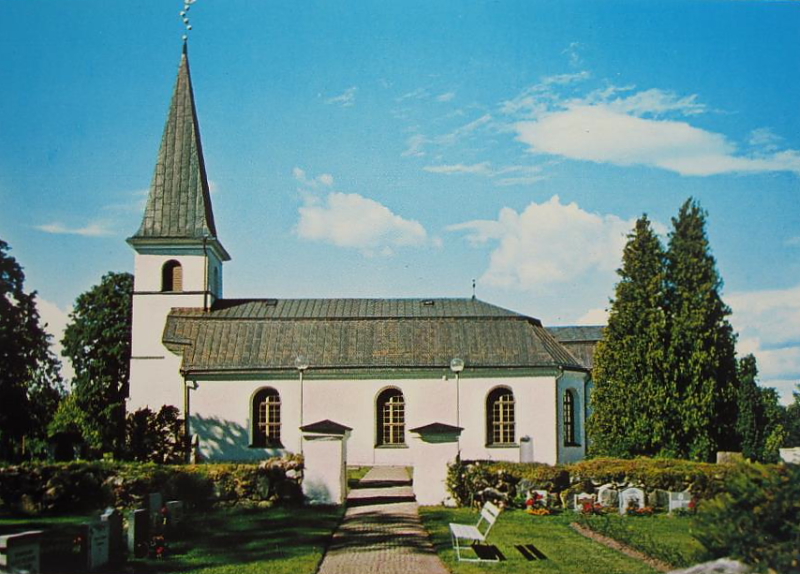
(155,502)
(96,535)
(174,512)
(679,500)
(583,498)
(608,496)
(113,517)
(630,497)
(138,532)
(20,552)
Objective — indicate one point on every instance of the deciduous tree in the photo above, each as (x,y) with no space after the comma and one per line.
(30,383)
(98,342)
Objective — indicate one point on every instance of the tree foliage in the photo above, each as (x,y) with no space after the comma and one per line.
(701,356)
(98,343)
(155,436)
(30,383)
(632,400)
(760,423)
(665,373)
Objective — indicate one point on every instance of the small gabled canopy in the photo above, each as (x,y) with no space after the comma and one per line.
(437,428)
(326,427)
(178,210)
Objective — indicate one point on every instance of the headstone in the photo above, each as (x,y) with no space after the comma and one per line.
(679,500)
(540,498)
(155,502)
(174,512)
(790,455)
(96,535)
(607,495)
(138,533)
(631,497)
(20,552)
(525,449)
(113,517)
(583,498)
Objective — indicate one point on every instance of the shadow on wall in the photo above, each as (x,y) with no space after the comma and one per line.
(222,440)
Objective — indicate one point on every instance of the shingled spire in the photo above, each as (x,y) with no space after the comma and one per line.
(179,204)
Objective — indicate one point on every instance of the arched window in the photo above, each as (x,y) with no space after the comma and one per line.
(500,426)
(391,417)
(569,418)
(266,418)
(172,276)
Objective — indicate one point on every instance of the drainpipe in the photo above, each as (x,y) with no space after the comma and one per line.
(205,274)
(559,376)
(187,429)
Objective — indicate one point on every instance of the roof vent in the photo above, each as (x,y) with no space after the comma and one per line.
(428,302)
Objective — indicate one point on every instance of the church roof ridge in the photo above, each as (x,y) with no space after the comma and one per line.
(179,200)
(351,308)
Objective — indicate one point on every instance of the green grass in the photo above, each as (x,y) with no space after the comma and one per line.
(566,550)
(662,536)
(223,541)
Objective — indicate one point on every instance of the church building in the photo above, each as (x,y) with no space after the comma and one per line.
(248,373)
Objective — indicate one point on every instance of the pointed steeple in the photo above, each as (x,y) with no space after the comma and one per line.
(179,203)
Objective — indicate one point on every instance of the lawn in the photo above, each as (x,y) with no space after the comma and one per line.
(223,541)
(565,550)
(662,536)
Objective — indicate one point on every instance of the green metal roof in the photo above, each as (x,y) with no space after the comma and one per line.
(179,202)
(269,334)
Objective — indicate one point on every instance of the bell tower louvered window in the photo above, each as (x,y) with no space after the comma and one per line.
(172,276)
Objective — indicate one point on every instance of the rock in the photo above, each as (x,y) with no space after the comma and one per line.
(721,566)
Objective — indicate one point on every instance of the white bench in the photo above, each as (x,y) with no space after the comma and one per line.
(473,534)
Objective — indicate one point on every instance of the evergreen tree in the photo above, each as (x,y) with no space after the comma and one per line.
(701,360)
(632,402)
(30,383)
(792,422)
(749,424)
(98,342)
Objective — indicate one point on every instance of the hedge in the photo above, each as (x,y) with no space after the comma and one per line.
(472,482)
(34,488)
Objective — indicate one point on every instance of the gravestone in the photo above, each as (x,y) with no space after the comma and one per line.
(138,532)
(679,500)
(525,449)
(174,512)
(96,535)
(582,498)
(541,498)
(20,552)
(607,495)
(113,517)
(630,497)
(790,455)
(155,502)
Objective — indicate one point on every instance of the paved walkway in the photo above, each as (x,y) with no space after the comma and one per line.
(381,531)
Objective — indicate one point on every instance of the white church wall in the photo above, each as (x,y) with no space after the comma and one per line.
(155,381)
(576,383)
(221,415)
(535,416)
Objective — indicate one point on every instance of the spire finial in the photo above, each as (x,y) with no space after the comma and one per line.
(187,4)
(473,288)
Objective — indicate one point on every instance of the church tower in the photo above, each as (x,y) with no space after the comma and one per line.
(179,257)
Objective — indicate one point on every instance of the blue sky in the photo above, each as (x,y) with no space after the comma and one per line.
(402,149)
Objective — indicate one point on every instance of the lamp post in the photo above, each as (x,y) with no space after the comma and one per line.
(301,364)
(457,365)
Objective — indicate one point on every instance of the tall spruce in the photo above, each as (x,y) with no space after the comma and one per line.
(631,403)
(701,359)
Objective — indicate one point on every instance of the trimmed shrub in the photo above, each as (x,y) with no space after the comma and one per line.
(756,520)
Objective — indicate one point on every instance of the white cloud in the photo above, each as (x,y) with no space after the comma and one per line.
(345,99)
(549,244)
(415,145)
(573,52)
(768,323)
(418,94)
(55,320)
(353,221)
(793,241)
(446,97)
(459,168)
(302,178)
(97,229)
(597,316)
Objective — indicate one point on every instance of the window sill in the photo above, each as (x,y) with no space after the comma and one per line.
(269,445)
(391,446)
(503,445)
(572,444)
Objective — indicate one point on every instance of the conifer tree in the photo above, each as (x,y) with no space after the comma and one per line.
(750,423)
(631,401)
(701,360)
